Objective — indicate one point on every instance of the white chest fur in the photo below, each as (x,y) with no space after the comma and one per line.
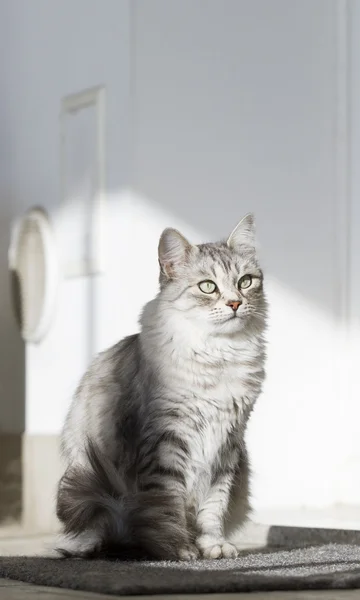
(209,381)
(211,369)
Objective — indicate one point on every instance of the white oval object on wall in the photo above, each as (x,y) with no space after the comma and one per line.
(33,264)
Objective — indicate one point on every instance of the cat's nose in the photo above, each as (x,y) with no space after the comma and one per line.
(234,304)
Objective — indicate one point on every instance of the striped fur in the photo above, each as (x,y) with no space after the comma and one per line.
(153,444)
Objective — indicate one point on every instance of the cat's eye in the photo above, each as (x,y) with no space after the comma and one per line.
(208,287)
(245,282)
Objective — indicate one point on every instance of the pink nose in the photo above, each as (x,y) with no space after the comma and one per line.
(234,304)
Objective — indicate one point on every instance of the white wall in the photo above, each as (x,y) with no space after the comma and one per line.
(234,107)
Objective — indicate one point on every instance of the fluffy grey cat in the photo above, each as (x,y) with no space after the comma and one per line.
(156,463)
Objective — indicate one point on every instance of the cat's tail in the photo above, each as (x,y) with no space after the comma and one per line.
(99,515)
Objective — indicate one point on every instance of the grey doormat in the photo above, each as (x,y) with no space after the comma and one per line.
(316,567)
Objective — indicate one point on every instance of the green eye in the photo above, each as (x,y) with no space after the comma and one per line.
(208,287)
(245,282)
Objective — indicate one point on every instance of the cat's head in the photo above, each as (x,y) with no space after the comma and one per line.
(219,285)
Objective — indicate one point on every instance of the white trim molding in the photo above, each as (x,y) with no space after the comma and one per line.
(93,261)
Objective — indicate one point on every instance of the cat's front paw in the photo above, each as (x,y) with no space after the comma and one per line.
(212,548)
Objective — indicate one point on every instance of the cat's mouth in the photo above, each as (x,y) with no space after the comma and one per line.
(236,315)
(231,317)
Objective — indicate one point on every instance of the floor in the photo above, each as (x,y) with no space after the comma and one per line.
(14,590)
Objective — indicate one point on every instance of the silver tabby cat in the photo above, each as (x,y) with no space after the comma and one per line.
(154,449)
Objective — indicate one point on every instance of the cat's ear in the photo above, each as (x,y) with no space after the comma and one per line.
(173,251)
(244,233)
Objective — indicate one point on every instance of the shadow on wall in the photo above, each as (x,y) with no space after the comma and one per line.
(12,393)
(237,113)
(11,478)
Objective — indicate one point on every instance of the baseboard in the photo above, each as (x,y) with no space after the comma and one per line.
(10,478)
(41,473)
(333,517)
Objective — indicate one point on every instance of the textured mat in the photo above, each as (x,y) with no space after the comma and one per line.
(316,567)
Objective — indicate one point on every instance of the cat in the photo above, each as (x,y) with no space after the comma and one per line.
(154,446)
